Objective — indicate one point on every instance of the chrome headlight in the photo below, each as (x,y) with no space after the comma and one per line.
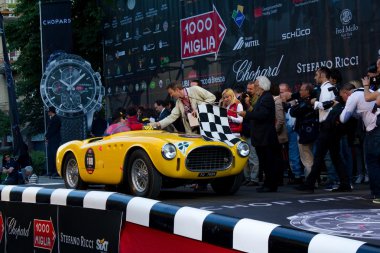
(169,151)
(243,149)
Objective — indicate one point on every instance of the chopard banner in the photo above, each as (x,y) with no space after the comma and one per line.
(28,227)
(55,25)
(148,44)
(45,228)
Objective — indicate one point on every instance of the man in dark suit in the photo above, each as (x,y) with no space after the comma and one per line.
(53,140)
(160,107)
(263,134)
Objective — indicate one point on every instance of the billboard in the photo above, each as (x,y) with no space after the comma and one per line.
(148,44)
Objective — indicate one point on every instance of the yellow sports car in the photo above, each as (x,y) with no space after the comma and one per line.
(144,161)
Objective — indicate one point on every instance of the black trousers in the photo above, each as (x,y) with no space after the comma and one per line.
(328,140)
(270,162)
(51,153)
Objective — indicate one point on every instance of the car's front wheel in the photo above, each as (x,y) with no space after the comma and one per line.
(70,173)
(227,185)
(143,178)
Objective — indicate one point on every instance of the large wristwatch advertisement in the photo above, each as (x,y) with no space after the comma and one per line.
(71,85)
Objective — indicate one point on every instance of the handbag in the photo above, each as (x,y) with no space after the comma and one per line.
(308,132)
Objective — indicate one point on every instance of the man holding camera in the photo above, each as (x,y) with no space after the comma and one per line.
(328,138)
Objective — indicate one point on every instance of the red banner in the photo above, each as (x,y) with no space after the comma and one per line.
(135,239)
(44,234)
(202,34)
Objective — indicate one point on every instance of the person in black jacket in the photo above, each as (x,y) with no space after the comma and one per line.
(11,169)
(53,140)
(307,125)
(263,134)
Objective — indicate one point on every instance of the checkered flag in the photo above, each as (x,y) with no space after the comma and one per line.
(214,125)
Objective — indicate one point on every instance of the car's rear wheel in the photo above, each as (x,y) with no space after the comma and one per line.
(70,173)
(227,185)
(143,178)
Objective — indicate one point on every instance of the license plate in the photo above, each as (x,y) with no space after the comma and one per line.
(207,174)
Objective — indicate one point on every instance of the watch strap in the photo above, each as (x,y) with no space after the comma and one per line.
(73,128)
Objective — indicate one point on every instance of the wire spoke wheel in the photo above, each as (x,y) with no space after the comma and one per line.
(72,173)
(140,175)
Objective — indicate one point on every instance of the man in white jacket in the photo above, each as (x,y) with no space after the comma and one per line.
(187,103)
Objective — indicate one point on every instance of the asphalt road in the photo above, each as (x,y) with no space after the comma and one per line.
(343,214)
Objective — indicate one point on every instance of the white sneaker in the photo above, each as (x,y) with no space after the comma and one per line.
(366,179)
(359,179)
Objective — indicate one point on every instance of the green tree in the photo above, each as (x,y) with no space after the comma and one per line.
(5,124)
(24,34)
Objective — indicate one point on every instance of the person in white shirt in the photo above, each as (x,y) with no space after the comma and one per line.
(372,140)
(328,138)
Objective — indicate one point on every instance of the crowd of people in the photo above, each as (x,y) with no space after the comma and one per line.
(298,133)
(330,126)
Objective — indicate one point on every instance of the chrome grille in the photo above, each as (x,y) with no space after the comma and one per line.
(209,158)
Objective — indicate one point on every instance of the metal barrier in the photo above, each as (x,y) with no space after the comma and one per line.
(152,226)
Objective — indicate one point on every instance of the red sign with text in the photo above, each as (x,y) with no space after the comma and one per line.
(44,234)
(202,34)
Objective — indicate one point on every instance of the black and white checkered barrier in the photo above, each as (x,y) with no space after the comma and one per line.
(244,235)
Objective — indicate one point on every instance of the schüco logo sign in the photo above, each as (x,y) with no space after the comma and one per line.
(295,34)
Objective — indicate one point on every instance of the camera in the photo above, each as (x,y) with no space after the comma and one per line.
(372,68)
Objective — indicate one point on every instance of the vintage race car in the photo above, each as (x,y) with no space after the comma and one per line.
(142,162)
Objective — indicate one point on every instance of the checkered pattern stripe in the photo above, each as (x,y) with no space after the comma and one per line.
(245,235)
(214,124)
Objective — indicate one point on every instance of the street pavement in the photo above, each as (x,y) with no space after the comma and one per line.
(347,214)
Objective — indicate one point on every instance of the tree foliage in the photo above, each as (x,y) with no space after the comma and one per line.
(5,124)
(24,34)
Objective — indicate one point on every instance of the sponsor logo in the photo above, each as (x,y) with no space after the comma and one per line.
(149,47)
(246,71)
(266,11)
(164,60)
(102,245)
(146,31)
(131,4)
(346,30)
(157,29)
(137,34)
(89,161)
(299,3)
(56,21)
(279,203)
(151,13)
(15,229)
(44,234)
(165,25)
(245,43)
(80,241)
(162,44)
(139,16)
(118,54)
(355,223)
(238,16)
(143,85)
(297,33)
(337,62)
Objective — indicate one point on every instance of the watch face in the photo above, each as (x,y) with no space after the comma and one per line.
(357,223)
(71,86)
